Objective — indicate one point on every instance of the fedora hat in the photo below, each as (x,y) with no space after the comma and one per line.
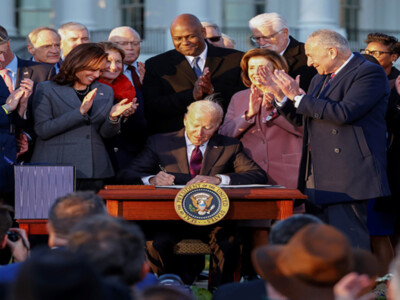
(309,265)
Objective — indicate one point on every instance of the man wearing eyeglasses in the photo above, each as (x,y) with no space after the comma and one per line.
(270,31)
(190,72)
(213,34)
(129,40)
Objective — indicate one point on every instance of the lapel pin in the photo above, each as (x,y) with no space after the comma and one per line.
(101,94)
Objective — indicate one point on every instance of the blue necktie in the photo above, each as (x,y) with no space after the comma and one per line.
(196,67)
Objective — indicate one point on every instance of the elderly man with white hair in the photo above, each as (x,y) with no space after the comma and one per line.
(195,154)
(72,34)
(271,31)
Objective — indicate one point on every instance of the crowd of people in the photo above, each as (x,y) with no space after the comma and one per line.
(314,116)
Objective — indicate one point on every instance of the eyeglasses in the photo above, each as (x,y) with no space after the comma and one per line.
(214,39)
(256,39)
(374,53)
(132,43)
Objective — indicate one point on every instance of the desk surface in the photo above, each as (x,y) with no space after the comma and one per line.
(149,203)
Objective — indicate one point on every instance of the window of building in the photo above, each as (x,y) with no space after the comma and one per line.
(32,14)
(237,13)
(235,19)
(349,10)
(132,13)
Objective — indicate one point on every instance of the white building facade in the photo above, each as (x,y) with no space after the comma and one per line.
(151,18)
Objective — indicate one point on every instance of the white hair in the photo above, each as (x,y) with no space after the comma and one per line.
(121,30)
(329,38)
(71,26)
(276,21)
(213,25)
(228,41)
(208,107)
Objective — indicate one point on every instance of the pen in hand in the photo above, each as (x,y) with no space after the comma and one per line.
(163,170)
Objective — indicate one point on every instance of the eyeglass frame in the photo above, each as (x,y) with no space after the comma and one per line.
(265,38)
(364,51)
(132,43)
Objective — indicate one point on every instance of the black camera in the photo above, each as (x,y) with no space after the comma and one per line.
(13,236)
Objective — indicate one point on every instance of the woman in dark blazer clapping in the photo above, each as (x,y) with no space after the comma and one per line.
(73,112)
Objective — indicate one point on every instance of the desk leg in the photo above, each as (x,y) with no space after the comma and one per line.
(114,208)
(285,209)
(26,227)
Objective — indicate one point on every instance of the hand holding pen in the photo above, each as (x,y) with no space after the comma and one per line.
(162,178)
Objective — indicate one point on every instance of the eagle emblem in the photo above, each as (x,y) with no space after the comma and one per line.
(202,203)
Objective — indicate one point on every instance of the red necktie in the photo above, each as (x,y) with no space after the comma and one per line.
(135,77)
(196,159)
(329,79)
(7,79)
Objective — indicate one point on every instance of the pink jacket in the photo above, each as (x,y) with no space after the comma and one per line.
(275,145)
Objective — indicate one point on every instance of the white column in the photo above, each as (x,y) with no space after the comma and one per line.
(81,11)
(7,17)
(318,14)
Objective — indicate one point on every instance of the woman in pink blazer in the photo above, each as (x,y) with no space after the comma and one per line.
(269,139)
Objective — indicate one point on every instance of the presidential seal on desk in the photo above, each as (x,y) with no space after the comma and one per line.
(201,204)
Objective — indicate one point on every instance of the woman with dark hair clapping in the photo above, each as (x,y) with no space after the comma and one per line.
(72,114)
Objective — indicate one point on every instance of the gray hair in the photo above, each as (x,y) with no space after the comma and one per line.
(213,25)
(117,30)
(227,39)
(71,26)
(206,106)
(276,21)
(33,35)
(329,38)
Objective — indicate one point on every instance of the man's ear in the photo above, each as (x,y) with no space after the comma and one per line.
(184,120)
(285,32)
(203,32)
(4,242)
(333,52)
(31,49)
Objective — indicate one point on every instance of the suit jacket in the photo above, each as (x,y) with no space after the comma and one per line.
(345,132)
(297,60)
(224,155)
(169,81)
(8,144)
(274,145)
(37,72)
(67,137)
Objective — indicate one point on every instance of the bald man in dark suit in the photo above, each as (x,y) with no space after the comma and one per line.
(190,72)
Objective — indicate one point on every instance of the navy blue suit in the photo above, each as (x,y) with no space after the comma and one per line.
(345,132)
(344,144)
(8,144)
(9,124)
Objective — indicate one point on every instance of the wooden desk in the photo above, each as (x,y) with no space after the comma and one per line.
(148,203)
